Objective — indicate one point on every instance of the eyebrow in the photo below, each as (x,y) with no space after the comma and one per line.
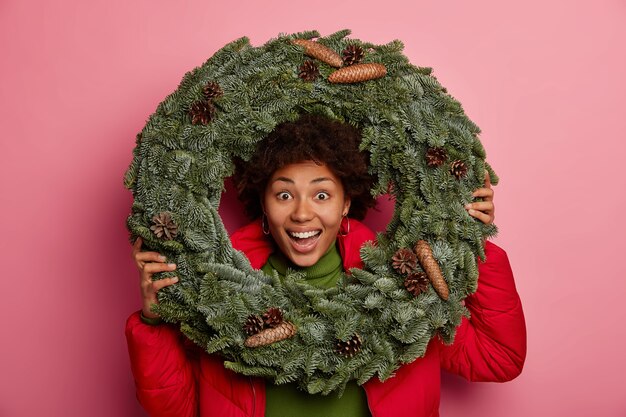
(314,181)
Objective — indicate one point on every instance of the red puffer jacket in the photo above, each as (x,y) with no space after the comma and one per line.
(175,379)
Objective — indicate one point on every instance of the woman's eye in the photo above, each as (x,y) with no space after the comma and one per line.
(322,196)
(284,196)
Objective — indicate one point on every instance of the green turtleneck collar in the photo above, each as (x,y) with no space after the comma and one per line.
(324,274)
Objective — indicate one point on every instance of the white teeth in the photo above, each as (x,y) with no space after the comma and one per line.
(304,235)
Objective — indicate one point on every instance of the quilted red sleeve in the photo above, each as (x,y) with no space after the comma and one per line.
(162,370)
(491,345)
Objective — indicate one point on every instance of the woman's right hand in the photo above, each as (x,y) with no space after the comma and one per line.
(149,263)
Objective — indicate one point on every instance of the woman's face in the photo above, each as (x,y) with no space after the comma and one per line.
(304,204)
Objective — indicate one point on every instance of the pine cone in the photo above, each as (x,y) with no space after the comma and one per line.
(458,169)
(404,261)
(308,71)
(273,317)
(202,112)
(164,227)
(436,157)
(416,283)
(268,336)
(353,54)
(212,90)
(253,324)
(357,73)
(319,51)
(350,347)
(430,265)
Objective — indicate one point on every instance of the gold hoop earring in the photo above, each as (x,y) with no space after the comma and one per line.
(347,228)
(264,225)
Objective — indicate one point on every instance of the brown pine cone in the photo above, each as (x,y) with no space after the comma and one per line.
(283,331)
(436,157)
(404,261)
(353,54)
(357,73)
(308,71)
(273,317)
(202,112)
(458,169)
(212,90)
(253,324)
(350,347)
(416,283)
(319,51)
(163,226)
(430,265)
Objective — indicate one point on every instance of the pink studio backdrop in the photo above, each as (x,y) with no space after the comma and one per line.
(544,80)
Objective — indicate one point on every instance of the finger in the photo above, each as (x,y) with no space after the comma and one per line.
(483,192)
(165,282)
(484,206)
(137,246)
(149,257)
(485,218)
(487,179)
(154,267)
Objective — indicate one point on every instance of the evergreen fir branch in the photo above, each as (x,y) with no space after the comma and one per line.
(414,350)
(386,285)
(410,332)
(312,362)
(258,371)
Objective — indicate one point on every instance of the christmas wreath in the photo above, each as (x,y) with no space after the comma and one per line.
(424,152)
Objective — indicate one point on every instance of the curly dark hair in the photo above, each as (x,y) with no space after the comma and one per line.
(310,138)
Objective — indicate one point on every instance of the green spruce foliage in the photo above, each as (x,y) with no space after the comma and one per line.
(179,167)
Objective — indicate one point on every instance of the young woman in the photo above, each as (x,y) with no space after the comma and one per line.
(307,186)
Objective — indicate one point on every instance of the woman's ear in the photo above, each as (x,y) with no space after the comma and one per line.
(346,206)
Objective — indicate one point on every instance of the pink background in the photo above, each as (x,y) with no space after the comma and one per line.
(545,80)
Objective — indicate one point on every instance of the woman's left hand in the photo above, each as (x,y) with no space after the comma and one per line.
(483,210)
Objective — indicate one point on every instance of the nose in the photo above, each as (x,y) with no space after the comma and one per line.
(302,211)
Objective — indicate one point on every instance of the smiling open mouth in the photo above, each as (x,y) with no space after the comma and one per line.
(304,240)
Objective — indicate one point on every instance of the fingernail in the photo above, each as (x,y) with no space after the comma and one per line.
(471,211)
(467,206)
(174,279)
(171,265)
(162,258)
